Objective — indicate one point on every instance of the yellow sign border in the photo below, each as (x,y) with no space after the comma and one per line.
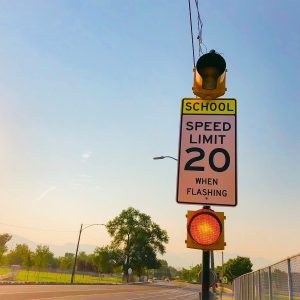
(196,106)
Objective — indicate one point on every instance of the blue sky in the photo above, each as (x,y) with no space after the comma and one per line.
(90,91)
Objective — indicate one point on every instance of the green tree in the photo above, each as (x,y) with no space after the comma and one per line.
(19,255)
(165,271)
(219,271)
(139,239)
(144,257)
(85,262)
(192,274)
(43,257)
(236,267)
(106,259)
(54,262)
(184,274)
(66,262)
(4,238)
(28,261)
(173,272)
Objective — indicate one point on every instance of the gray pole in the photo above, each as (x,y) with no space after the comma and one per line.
(222,275)
(253,286)
(212,260)
(75,260)
(205,270)
(205,277)
(290,280)
(270,283)
(259,286)
(212,265)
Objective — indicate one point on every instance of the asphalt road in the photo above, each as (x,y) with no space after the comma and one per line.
(160,290)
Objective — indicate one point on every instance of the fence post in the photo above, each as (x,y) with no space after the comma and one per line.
(241,289)
(248,287)
(259,286)
(240,292)
(290,280)
(244,297)
(270,283)
(253,286)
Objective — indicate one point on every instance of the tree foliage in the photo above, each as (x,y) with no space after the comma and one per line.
(192,274)
(139,238)
(43,257)
(66,262)
(85,262)
(166,271)
(21,255)
(236,267)
(107,259)
(4,238)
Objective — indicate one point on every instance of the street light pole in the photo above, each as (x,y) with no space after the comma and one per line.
(76,254)
(75,260)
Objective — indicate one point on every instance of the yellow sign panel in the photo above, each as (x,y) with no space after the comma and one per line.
(209,107)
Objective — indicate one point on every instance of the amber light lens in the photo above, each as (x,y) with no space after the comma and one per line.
(205,229)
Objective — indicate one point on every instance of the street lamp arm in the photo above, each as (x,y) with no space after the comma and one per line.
(171,157)
(87,226)
(164,156)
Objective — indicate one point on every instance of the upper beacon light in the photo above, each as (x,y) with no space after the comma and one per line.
(210,76)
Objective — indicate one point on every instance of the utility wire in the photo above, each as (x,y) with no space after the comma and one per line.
(200,25)
(39,229)
(192,35)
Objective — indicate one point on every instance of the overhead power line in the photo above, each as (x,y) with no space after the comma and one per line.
(192,35)
(199,27)
(35,228)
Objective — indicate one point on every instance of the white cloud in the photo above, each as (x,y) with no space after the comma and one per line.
(86,156)
(46,192)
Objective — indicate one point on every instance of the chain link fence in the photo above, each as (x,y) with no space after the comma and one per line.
(280,281)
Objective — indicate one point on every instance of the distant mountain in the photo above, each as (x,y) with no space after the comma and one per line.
(16,239)
(58,250)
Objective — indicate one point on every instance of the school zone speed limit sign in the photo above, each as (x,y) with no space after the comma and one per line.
(207,167)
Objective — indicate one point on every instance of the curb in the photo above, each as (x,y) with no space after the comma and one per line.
(65,283)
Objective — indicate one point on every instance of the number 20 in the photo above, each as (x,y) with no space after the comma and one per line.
(189,165)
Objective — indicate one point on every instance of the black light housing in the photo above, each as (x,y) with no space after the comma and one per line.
(209,76)
(205,230)
(210,66)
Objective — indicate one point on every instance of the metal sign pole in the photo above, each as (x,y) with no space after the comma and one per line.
(205,270)
(222,275)
(205,277)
